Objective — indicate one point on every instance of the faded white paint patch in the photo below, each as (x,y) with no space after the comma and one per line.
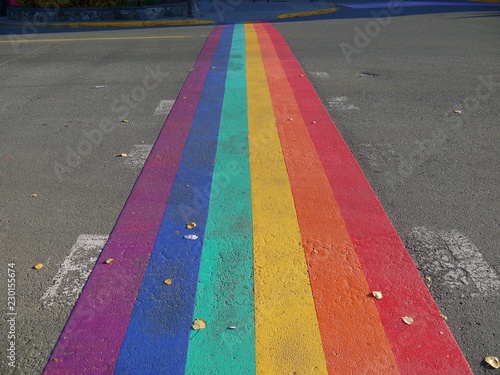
(137,156)
(322,75)
(74,271)
(164,107)
(451,258)
(339,103)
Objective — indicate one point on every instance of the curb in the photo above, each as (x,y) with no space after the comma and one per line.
(117,24)
(307,14)
(150,23)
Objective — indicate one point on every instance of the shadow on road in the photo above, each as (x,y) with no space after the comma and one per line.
(354,9)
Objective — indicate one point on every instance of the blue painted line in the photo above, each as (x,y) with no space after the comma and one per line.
(225,295)
(157,338)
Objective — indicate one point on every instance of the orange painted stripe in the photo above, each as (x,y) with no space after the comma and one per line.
(287,335)
(354,340)
(427,346)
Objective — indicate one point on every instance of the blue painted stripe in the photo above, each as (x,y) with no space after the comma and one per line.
(225,296)
(157,338)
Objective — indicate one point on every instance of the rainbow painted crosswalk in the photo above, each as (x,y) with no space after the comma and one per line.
(289,242)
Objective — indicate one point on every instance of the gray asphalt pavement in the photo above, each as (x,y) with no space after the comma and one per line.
(55,97)
(416,99)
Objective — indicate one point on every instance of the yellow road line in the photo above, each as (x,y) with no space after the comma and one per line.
(287,334)
(135,23)
(306,14)
(117,23)
(90,39)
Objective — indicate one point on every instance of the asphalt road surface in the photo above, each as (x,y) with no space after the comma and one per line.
(415,97)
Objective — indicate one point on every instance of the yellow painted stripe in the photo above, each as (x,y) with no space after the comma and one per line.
(55,40)
(307,14)
(288,339)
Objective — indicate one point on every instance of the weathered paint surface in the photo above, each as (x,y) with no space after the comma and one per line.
(107,300)
(288,339)
(291,240)
(224,298)
(354,330)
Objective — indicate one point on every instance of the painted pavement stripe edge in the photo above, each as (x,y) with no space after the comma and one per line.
(159,328)
(224,297)
(348,318)
(428,344)
(109,294)
(287,339)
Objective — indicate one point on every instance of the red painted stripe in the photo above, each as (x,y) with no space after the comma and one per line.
(427,346)
(353,337)
(91,340)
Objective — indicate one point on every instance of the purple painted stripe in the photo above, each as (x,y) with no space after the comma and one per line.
(91,340)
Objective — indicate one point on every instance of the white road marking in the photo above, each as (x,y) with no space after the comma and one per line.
(74,271)
(339,103)
(137,156)
(164,107)
(322,75)
(450,257)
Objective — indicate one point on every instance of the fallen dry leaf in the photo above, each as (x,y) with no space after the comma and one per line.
(408,320)
(167,282)
(38,266)
(190,225)
(377,294)
(457,111)
(124,120)
(492,361)
(34,195)
(122,155)
(109,261)
(199,324)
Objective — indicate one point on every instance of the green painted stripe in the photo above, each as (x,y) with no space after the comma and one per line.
(224,296)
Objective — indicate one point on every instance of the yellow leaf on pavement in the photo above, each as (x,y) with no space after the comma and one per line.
(377,294)
(408,320)
(199,324)
(492,361)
